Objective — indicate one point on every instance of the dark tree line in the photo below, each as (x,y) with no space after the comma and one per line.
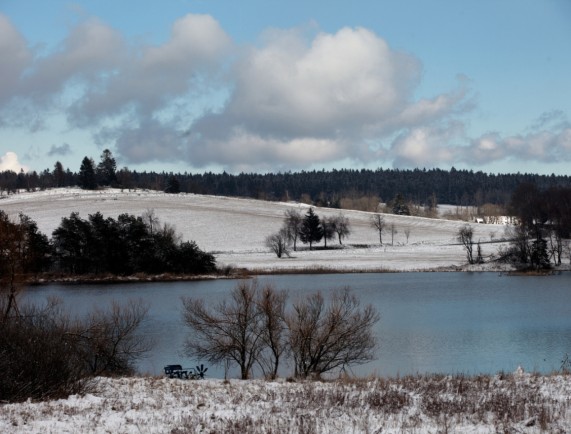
(98,245)
(321,188)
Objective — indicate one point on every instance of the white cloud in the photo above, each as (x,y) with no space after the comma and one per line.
(427,146)
(9,161)
(336,94)
(152,78)
(547,146)
(293,101)
(15,56)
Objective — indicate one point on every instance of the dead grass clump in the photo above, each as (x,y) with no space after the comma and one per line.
(389,401)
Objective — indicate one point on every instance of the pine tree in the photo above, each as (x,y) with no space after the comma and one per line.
(173,186)
(106,168)
(87,179)
(311,229)
(59,175)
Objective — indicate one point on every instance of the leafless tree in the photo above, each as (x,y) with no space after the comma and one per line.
(109,340)
(555,245)
(407,234)
(151,220)
(327,336)
(393,231)
(229,331)
(378,222)
(341,226)
(293,220)
(271,304)
(465,236)
(278,243)
(328,225)
(567,248)
(12,248)
(46,354)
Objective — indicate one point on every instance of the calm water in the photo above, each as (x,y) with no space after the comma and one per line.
(430,322)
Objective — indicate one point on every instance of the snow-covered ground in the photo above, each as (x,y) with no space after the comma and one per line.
(514,403)
(235,229)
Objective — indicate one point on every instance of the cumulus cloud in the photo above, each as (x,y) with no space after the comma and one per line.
(9,161)
(547,146)
(150,79)
(335,94)
(149,140)
(293,100)
(427,146)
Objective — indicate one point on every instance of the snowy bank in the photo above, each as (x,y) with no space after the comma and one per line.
(519,402)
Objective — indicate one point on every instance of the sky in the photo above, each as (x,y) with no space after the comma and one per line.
(265,85)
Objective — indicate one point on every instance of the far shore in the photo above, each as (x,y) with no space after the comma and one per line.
(247,274)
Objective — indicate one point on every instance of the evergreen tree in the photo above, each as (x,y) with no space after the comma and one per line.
(173,186)
(59,175)
(399,206)
(538,255)
(106,169)
(87,179)
(311,229)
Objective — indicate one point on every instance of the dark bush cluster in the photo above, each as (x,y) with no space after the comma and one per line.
(98,245)
(125,246)
(544,226)
(45,354)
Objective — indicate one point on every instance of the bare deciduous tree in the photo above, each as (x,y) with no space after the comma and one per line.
(394,231)
(278,243)
(465,237)
(109,340)
(229,331)
(407,234)
(378,222)
(293,221)
(45,354)
(151,220)
(327,336)
(328,225)
(341,226)
(271,304)
(12,247)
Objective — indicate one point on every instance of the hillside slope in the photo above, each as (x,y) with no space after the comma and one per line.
(235,229)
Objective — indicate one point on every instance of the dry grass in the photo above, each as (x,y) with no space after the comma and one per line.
(523,403)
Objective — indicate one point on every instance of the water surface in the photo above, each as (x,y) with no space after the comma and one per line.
(430,322)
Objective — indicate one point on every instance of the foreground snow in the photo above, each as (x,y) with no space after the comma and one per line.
(234,230)
(520,403)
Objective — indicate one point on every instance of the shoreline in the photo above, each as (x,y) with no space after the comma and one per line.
(248,274)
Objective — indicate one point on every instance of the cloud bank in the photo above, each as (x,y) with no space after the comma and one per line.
(9,161)
(291,101)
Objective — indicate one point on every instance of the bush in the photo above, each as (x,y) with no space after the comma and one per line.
(45,355)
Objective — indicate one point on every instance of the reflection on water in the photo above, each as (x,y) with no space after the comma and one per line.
(430,322)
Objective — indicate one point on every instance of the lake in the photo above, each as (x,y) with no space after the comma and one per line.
(430,322)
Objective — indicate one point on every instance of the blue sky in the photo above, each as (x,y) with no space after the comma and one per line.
(265,85)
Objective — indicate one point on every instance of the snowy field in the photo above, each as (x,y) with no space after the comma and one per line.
(234,230)
(510,403)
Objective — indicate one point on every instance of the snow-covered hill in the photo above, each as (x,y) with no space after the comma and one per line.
(235,229)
